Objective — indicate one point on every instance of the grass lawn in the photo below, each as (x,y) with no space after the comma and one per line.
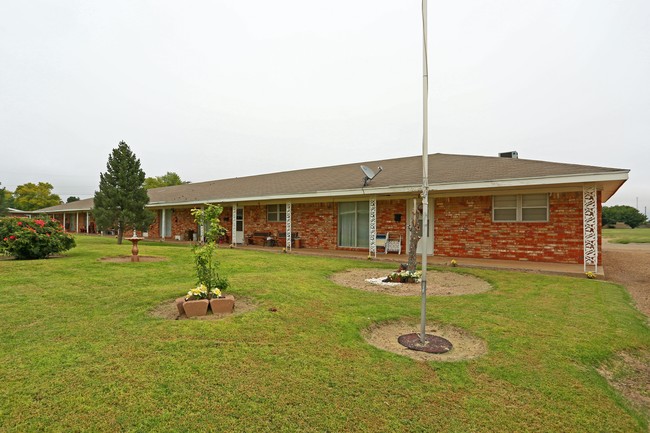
(626,236)
(80,351)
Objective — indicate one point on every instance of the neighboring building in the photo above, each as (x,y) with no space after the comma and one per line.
(18,213)
(481,207)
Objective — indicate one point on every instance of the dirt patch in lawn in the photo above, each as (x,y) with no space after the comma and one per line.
(465,345)
(167,310)
(629,374)
(127,259)
(438,283)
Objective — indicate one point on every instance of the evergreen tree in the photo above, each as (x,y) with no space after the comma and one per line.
(121,199)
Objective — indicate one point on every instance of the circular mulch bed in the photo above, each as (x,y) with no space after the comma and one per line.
(127,259)
(438,283)
(465,345)
(167,310)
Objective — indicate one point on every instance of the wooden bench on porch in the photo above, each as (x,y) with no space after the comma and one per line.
(261,238)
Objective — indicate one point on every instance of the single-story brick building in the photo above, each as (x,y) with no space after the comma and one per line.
(480,207)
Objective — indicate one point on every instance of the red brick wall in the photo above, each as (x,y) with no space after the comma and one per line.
(386,211)
(315,223)
(182,221)
(464,228)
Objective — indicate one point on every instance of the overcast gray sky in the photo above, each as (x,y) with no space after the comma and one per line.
(218,89)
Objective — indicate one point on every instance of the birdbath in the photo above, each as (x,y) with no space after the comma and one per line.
(134,249)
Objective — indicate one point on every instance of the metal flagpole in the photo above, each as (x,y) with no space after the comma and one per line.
(425,174)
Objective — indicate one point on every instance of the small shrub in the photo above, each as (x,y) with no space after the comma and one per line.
(28,239)
(205,256)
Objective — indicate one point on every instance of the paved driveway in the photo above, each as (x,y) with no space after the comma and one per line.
(629,265)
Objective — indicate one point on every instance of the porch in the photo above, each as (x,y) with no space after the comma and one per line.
(574,270)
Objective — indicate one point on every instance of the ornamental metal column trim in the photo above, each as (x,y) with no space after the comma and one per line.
(202,229)
(162,224)
(372,215)
(233,229)
(288,226)
(590,226)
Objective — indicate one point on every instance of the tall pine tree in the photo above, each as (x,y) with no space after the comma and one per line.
(121,199)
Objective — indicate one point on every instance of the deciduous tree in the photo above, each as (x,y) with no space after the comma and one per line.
(32,196)
(121,199)
(168,179)
(622,213)
(4,202)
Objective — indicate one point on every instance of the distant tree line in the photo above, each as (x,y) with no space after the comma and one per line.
(33,196)
(30,196)
(625,214)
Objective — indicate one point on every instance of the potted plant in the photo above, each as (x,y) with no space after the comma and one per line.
(220,304)
(196,302)
(403,276)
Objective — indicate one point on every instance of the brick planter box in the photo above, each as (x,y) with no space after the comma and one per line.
(222,305)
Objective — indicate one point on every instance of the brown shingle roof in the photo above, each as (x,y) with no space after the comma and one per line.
(406,172)
(399,172)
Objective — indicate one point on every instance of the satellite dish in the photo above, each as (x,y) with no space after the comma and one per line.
(370,174)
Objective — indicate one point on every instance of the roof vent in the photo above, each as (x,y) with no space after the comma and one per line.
(512,154)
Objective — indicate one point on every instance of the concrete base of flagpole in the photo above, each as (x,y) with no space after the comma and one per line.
(432,343)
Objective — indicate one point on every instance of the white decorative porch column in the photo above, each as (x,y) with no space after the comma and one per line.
(201,230)
(77,223)
(233,229)
(87,222)
(162,224)
(64,230)
(373,227)
(590,226)
(288,227)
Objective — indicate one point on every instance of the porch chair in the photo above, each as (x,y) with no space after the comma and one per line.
(393,244)
(380,241)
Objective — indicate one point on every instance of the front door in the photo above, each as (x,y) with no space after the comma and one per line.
(239,226)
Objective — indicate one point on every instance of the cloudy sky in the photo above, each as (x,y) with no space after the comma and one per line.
(217,89)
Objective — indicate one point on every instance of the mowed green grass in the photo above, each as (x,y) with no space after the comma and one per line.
(79,351)
(626,236)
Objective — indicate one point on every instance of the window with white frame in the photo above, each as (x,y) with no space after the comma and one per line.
(520,208)
(276,212)
(354,224)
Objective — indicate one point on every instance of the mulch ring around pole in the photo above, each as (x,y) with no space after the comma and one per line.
(464,345)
